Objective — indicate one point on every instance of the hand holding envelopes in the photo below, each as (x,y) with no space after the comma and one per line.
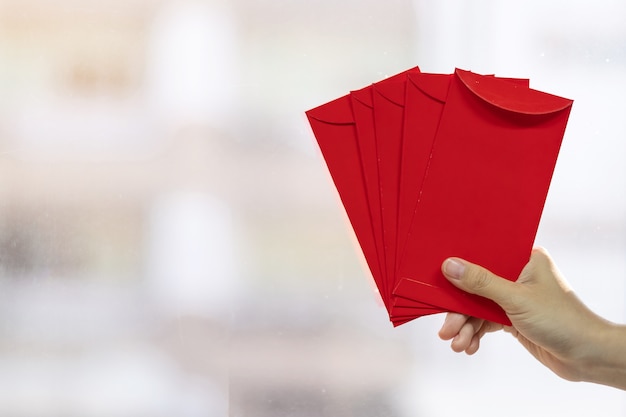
(430,166)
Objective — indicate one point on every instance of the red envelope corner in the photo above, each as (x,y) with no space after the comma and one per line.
(484,191)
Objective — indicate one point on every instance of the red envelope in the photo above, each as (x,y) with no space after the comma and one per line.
(369,148)
(484,190)
(388,99)
(335,131)
(424,102)
(389,112)
(398,149)
(363,114)
(425,98)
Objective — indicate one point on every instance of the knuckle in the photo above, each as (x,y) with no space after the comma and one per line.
(480,279)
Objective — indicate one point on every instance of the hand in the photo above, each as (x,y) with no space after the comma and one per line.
(547,318)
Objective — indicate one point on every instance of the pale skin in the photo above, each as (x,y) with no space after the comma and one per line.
(548,319)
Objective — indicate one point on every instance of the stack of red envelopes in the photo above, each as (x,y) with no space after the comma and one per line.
(430,166)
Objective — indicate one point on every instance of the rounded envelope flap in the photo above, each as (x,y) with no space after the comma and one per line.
(338,112)
(433,85)
(509,96)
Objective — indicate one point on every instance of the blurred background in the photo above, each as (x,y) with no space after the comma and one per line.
(171,242)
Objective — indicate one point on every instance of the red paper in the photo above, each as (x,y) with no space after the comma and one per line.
(430,166)
(424,101)
(335,131)
(491,166)
(363,114)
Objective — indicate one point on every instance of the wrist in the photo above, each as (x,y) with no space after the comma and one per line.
(605,362)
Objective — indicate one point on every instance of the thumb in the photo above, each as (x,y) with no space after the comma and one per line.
(477,280)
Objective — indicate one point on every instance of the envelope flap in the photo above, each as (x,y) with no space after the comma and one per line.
(433,85)
(510,96)
(337,112)
(363,96)
(392,91)
(402,75)
(524,82)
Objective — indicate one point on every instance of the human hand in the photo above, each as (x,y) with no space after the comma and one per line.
(547,318)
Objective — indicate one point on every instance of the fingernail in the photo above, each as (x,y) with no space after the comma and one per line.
(453,268)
